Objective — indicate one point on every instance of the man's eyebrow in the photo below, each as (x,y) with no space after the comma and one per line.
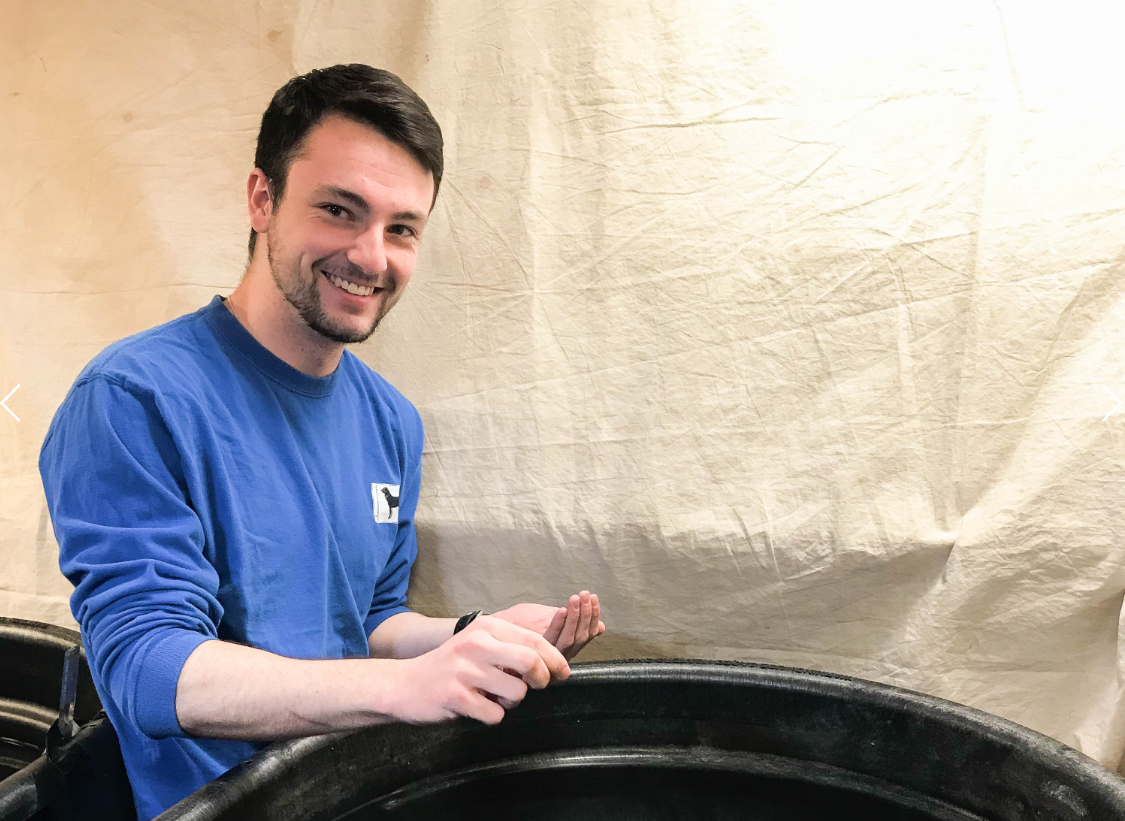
(363,205)
(407,216)
(350,197)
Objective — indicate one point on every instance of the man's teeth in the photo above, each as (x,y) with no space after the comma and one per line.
(350,287)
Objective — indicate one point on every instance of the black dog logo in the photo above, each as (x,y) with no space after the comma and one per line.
(392,501)
(386,502)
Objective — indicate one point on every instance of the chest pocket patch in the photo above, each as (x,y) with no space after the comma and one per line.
(385,501)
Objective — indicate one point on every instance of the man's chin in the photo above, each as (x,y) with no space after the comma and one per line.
(311,309)
(343,335)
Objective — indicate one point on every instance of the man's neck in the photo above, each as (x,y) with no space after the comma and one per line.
(262,310)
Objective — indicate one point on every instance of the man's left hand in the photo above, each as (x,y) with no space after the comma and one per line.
(568,628)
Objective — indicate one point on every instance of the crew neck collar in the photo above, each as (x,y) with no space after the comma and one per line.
(272,366)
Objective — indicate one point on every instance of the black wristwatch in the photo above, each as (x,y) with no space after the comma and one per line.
(465,621)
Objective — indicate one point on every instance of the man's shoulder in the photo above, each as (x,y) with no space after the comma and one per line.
(372,380)
(147,375)
(382,391)
(160,357)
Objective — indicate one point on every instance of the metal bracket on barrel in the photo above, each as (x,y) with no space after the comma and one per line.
(65,728)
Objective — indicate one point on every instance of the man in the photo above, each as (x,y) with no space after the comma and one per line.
(234,493)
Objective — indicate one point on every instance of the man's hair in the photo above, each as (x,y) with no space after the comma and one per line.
(370,96)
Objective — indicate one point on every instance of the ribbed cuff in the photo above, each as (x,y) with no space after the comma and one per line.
(154,696)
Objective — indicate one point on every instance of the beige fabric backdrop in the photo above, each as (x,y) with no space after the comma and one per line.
(788,327)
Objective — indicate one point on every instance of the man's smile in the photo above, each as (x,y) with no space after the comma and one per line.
(350,287)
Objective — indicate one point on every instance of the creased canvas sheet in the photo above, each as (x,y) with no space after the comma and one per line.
(789,328)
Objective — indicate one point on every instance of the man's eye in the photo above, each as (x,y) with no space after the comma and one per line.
(405,230)
(336,210)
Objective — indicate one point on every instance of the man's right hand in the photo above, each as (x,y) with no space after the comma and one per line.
(480,672)
(227,690)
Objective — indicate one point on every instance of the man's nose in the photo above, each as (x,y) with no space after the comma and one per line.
(369,252)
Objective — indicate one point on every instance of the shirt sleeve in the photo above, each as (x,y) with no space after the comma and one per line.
(131,544)
(390,591)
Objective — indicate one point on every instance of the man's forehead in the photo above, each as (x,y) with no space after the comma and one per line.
(347,155)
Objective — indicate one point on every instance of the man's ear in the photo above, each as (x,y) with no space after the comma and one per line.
(258,200)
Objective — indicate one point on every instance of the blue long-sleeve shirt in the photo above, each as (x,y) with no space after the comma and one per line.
(201,488)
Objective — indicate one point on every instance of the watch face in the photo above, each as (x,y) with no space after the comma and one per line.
(465,620)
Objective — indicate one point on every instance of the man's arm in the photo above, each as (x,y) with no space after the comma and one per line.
(408,635)
(146,597)
(145,594)
(568,629)
(230,691)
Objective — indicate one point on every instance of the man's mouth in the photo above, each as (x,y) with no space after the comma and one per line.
(350,287)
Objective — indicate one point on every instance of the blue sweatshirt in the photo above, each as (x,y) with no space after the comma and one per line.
(201,488)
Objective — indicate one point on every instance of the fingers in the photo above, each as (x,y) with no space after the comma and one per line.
(568,634)
(551,659)
(528,654)
(583,623)
(495,660)
(474,704)
(586,608)
(555,628)
(503,686)
(438,686)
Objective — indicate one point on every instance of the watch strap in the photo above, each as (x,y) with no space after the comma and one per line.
(465,621)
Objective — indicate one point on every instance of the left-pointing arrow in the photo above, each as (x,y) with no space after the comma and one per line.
(3,402)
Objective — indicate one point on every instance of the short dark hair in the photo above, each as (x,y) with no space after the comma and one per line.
(370,96)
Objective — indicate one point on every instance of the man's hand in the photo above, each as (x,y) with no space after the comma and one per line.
(568,628)
(480,672)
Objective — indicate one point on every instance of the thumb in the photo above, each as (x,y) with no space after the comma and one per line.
(554,629)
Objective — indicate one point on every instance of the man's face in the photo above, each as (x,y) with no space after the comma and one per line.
(351,217)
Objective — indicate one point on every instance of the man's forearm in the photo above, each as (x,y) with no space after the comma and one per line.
(230,691)
(407,635)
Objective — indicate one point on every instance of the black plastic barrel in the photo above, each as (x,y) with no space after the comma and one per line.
(679,740)
(59,756)
(31,675)
(82,779)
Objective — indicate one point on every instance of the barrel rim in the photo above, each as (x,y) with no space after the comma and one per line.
(762,764)
(278,759)
(14,628)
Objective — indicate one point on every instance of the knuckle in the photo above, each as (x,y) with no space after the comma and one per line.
(476,640)
(462,668)
(523,658)
(473,635)
(532,659)
(462,700)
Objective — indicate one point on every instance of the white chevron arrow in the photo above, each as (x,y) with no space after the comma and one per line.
(1107,390)
(16,388)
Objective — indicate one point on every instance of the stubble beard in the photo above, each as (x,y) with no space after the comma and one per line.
(303,294)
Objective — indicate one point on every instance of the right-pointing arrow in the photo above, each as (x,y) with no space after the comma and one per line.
(1107,390)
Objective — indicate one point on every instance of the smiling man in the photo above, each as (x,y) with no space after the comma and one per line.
(340,248)
(234,492)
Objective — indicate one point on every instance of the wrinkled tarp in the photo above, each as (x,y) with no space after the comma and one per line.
(790,328)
